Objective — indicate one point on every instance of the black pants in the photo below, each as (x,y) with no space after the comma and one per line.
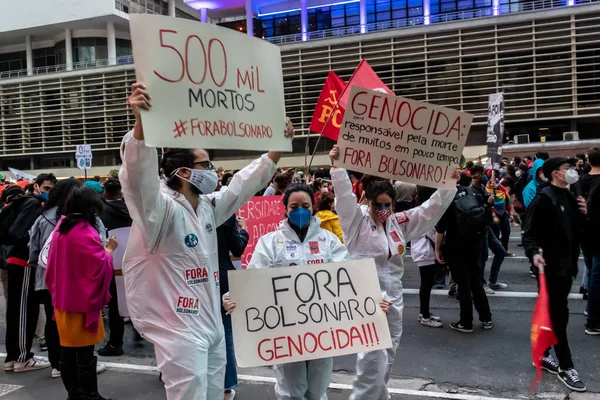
(22,311)
(428,275)
(559,288)
(115,321)
(50,330)
(466,272)
(77,355)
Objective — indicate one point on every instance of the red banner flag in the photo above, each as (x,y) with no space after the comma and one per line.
(542,334)
(363,76)
(328,98)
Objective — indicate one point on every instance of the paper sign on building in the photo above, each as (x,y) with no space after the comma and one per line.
(210,86)
(300,313)
(402,139)
(263,215)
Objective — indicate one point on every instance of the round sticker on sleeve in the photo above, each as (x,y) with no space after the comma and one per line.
(191,240)
(400,249)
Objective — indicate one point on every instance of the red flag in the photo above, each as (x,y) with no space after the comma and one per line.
(542,334)
(333,87)
(363,76)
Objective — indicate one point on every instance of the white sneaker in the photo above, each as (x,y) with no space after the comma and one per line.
(100,368)
(33,364)
(229,396)
(498,286)
(9,366)
(430,322)
(431,316)
(488,290)
(55,373)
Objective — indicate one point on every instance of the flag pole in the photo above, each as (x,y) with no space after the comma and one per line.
(332,112)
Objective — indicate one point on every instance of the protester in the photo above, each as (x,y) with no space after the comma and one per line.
(423,254)
(22,309)
(232,239)
(489,239)
(374,231)
(552,239)
(10,193)
(589,187)
(329,219)
(227,177)
(406,194)
(174,232)
(79,273)
(303,379)
(95,185)
(116,215)
(357,186)
(39,234)
(501,211)
(463,227)
(271,189)
(538,178)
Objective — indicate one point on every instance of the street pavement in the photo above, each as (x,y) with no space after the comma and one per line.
(431,363)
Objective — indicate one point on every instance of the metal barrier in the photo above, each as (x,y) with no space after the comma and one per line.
(106,62)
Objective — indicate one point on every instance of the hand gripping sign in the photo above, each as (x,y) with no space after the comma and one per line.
(300,313)
(402,139)
(211,87)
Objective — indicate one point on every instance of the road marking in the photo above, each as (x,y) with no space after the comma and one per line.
(267,379)
(499,293)
(6,389)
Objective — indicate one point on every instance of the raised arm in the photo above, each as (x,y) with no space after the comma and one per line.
(139,174)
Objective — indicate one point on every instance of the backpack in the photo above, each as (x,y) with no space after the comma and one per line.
(8,215)
(470,214)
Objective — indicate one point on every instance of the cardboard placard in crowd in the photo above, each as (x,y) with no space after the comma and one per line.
(210,87)
(263,215)
(402,139)
(307,312)
(495,130)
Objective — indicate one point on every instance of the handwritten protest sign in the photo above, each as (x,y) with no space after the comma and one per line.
(291,314)
(211,87)
(398,138)
(495,130)
(263,215)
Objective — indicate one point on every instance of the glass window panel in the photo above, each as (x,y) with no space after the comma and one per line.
(483,3)
(415,12)
(352,10)
(434,9)
(384,16)
(355,20)
(448,7)
(465,4)
(383,6)
(337,22)
(397,5)
(399,14)
(337,13)
(370,18)
(415,3)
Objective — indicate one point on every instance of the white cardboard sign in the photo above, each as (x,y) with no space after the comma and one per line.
(300,313)
(402,139)
(210,86)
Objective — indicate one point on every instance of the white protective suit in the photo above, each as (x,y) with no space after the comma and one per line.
(365,239)
(171,269)
(303,380)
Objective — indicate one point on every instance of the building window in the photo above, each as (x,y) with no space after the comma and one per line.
(44,57)
(453,6)
(389,10)
(13,61)
(89,49)
(281,24)
(319,19)
(345,15)
(123,47)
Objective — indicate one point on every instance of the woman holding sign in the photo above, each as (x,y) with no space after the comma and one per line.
(300,240)
(374,231)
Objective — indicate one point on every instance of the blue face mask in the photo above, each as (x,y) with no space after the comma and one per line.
(44,196)
(300,217)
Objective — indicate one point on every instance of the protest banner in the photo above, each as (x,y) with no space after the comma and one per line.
(263,215)
(495,130)
(300,313)
(210,86)
(402,139)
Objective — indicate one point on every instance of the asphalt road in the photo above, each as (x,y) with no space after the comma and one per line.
(432,362)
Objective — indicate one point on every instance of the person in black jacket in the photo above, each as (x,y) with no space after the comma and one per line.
(116,215)
(22,309)
(232,239)
(552,239)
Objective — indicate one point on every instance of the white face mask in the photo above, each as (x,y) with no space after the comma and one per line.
(205,180)
(571,176)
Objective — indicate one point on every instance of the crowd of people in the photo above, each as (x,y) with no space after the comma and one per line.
(57,248)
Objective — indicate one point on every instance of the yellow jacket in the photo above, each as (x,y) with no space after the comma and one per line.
(330,222)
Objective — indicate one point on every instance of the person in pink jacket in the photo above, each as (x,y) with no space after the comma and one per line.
(79,273)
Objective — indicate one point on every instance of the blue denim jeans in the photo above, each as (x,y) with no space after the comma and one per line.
(491,242)
(502,230)
(231,378)
(588,262)
(594,294)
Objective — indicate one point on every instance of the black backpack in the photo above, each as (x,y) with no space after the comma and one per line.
(470,214)
(8,215)
(520,184)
